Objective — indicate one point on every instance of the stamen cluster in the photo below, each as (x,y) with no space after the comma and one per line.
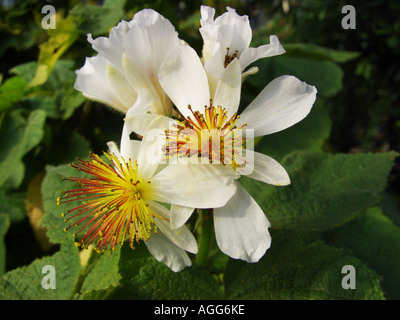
(209,135)
(113,208)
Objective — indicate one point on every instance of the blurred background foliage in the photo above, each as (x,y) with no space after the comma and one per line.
(45,121)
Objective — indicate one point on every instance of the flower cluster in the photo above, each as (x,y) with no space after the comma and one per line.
(194,143)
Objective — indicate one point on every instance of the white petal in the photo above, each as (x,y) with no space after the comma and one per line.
(168,253)
(113,148)
(120,86)
(184,80)
(92,81)
(152,97)
(228,89)
(209,32)
(228,31)
(140,123)
(215,65)
(267,50)
(181,236)
(151,150)
(193,185)
(241,228)
(207,15)
(179,215)
(212,56)
(113,46)
(235,32)
(129,148)
(281,104)
(150,40)
(263,168)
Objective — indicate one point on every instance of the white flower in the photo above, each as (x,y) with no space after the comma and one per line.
(122,201)
(128,64)
(241,227)
(151,69)
(228,37)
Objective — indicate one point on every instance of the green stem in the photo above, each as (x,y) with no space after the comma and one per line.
(206,235)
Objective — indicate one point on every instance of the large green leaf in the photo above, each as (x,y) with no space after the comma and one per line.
(375,239)
(112,271)
(17,137)
(26,282)
(325,191)
(156,281)
(299,266)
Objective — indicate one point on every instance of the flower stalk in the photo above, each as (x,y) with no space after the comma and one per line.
(205,236)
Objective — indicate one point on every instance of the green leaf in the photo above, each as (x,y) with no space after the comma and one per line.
(11,91)
(52,187)
(26,282)
(157,281)
(17,137)
(145,278)
(317,52)
(57,96)
(111,271)
(375,239)
(4,224)
(309,134)
(60,39)
(325,191)
(95,19)
(104,275)
(299,266)
(132,260)
(66,147)
(325,75)
(16,177)
(25,70)
(13,204)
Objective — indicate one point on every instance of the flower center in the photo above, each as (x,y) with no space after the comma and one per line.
(209,135)
(113,208)
(229,58)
